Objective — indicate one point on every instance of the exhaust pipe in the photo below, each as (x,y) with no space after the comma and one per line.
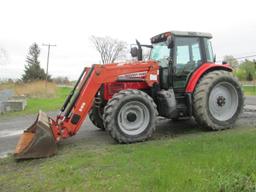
(37,141)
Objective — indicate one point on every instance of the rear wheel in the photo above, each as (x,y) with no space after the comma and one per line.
(218,100)
(130,116)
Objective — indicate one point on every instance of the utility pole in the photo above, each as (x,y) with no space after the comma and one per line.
(48,57)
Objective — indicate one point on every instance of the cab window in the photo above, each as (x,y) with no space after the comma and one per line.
(188,55)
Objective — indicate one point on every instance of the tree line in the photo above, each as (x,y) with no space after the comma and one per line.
(244,70)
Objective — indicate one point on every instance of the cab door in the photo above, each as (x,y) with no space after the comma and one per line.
(187,57)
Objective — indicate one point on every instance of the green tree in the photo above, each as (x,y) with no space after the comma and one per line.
(33,71)
(246,70)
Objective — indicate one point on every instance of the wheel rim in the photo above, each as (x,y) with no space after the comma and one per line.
(133,118)
(223,101)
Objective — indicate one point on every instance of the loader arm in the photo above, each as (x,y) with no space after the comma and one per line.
(40,139)
(78,105)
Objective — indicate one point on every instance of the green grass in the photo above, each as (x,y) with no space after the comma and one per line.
(212,161)
(45,104)
(249,90)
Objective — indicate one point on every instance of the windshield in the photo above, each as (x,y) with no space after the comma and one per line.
(160,52)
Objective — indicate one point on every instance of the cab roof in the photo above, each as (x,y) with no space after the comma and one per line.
(163,36)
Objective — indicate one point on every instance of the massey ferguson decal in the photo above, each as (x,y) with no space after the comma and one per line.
(129,76)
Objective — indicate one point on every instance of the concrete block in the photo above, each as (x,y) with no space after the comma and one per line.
(6,94)
(9,102)
(15,105)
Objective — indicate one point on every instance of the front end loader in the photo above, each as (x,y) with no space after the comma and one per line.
(180,80)
(40,139)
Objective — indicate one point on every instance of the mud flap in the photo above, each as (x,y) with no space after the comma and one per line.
(37,141)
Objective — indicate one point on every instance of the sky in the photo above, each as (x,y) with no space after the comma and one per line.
(69,25)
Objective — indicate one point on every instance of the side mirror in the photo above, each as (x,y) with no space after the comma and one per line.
(169,42)
(134,51)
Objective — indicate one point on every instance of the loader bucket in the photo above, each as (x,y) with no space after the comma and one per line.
(37,141)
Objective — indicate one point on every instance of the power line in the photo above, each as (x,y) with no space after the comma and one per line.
(238,58)
(244,57)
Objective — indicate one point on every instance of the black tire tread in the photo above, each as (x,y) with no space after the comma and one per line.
(199,99)
(108,116)
(95,119)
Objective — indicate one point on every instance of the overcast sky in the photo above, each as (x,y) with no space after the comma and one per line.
(69,24)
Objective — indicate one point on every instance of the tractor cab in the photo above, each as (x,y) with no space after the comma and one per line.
(179,54)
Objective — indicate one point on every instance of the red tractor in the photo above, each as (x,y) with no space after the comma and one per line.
(179,80)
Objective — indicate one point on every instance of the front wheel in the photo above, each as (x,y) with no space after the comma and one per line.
(130,116)
(218,100)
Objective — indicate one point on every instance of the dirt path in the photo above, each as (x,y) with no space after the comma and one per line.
(10,130)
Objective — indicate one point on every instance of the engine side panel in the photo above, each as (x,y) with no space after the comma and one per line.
(111,88)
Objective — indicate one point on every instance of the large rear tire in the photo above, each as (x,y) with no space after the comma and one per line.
(130,116)
(218,100)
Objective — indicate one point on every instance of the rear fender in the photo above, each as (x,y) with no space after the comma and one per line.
(201,71)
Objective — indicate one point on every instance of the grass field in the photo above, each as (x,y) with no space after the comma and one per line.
(45,104)
(204,161)
(249,90)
